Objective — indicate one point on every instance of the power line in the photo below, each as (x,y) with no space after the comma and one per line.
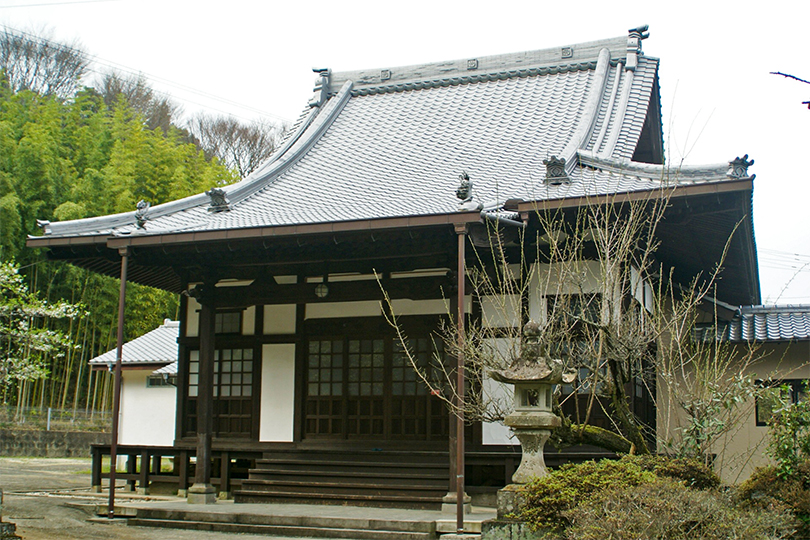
(57,3)
(130,71)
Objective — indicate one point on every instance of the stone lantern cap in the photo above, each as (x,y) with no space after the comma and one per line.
(532,365)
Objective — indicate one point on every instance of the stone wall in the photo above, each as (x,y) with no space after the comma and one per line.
(31,443)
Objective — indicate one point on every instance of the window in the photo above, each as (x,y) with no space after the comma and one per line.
(772,394)
(233,392)
(228,322)
(155,381)
(569,309)
(367,388)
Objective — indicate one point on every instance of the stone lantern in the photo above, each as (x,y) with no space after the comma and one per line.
(534,376)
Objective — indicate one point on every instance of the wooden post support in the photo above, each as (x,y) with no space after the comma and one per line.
(143,477)
(225,476)
(461,231)
(95,468)
(456,499)
(182,473)
(122,295)
(203,492)
(132,470)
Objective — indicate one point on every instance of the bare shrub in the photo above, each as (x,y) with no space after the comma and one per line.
(666,509)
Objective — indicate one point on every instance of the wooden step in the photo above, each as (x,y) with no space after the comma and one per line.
(371,478)
(361,477)
(356,499)
(365,456)
(343,488)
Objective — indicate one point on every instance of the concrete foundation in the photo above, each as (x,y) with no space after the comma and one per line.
(202,494)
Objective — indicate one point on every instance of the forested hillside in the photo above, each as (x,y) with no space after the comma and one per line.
(90,152)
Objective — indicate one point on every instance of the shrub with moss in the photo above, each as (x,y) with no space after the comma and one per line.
(767,486)
(666,509)
(549,499)
(691,472)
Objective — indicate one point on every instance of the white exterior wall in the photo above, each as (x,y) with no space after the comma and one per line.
(147,414)
(373,308)
(499,312)
(278,393)
(279,319)
(192,317)
(547,279)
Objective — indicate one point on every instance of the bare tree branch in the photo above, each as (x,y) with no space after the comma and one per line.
(240,146)
(37,63)
(158,111)
(789,76)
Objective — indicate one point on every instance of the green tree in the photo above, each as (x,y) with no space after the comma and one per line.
(27,339)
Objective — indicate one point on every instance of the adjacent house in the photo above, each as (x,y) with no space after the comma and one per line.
(148,393)
(780,338)
(284,349)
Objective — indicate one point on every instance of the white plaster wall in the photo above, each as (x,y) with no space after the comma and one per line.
(339,310)
(553,279)
(420,307)
(249,321)
(147,414)
(278,393)
(641,290)
(192,317)
(496,432)
(279,319)
(500,311)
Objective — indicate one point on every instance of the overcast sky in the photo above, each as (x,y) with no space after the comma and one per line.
(253,59)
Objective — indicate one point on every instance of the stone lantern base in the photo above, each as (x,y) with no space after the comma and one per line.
(532,430)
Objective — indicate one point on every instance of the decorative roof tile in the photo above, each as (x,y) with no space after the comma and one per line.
(771,323)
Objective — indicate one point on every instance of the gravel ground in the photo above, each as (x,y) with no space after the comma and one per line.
(50,499)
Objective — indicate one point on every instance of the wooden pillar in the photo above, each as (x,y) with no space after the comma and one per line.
(225,476)
(181,462)
(95,468)
(143,474)
(132,470)
(456,499)
(122,295)
(202,491)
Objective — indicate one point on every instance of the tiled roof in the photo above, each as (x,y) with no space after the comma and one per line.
(156,347)
(390,143)
(170,369)
(771,323)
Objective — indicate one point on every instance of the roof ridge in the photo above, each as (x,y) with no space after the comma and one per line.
(714,171)
(481,68)
(297,146)
(587,120)
(418,84)
(771,308)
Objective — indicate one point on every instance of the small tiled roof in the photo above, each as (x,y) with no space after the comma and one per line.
(156,347)
(771,323)
(392,142)
(171,369)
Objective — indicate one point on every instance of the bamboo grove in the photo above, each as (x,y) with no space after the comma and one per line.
(92,152)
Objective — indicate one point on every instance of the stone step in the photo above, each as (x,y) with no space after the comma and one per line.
(283,530)
(238,515)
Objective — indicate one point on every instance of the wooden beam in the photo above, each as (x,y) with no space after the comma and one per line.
(270,293)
